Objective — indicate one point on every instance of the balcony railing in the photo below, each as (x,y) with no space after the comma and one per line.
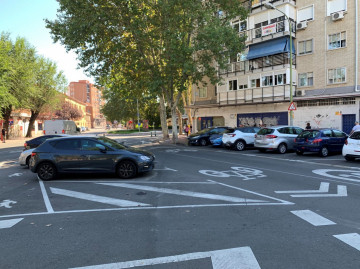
(255,95)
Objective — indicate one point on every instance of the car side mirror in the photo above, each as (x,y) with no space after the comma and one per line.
(102,148)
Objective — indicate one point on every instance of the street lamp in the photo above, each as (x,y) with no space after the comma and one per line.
(271,6)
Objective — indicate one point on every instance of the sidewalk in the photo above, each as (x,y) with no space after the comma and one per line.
(11,143)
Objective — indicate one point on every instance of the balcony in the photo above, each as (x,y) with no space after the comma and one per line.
(258,5)
(255,95)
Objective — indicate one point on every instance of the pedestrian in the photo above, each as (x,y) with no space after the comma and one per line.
(308,126)
(355,128)
(187,130)
(3,132)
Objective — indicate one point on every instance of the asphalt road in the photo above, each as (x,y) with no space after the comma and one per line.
(201,207)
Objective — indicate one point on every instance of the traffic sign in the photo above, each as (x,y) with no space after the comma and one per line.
(292,106)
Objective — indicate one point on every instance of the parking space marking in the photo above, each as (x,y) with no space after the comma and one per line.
(46,197)
(9,223)
(233,258)
(352,239)
(96,198)
(312,217)
(183,193)
(324,187)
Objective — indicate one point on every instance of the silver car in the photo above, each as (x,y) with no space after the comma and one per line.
(280,138)
(25,157)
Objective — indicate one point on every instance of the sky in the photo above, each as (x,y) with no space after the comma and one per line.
(25,18)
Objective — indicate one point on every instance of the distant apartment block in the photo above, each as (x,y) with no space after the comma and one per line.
(87,93)
(255,87)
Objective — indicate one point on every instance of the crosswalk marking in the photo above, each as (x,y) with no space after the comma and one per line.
(312,217)
(352,239)
(183,193)
(9,223)
(96,198)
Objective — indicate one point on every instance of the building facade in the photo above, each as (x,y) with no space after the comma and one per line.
(87,93)
(255,88)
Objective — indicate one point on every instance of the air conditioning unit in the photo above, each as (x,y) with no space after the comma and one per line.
(300,93)
(337,15)
(301,25)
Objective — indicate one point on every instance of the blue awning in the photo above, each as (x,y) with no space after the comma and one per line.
(271,47)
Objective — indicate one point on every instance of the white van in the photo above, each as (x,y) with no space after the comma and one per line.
(60,127)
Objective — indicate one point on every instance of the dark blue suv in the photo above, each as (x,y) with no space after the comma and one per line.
(322,141)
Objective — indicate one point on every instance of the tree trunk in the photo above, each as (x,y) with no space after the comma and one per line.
(164,127)
(187,101)
(6,112)
(180,121)
(173,118)
(33,117)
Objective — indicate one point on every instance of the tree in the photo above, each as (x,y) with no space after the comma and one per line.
(47,84)
(171,43)
(68,112)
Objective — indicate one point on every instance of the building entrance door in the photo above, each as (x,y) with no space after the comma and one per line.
(348,122)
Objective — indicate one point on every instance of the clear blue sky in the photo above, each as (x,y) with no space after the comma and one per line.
(25,18)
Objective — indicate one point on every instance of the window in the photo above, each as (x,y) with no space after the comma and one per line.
(91,145)
(337,75)
(338,133)
(305,14)
(233,85)
(203,92)
(67,144)
(243,86)
(267,81)
(306,79)
(280,79)
(305,47)
(335,6)
(337,40)
(255,83)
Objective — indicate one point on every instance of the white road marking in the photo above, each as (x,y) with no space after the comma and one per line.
(7,203)
(348,175)
(15,175)
(46,197)
(341,192)
(137,182)
(259,194)
(234,258)
(312,217)
(9,223)
(165,169)
(352,239)
(96,198)
(324,187)
(183,193)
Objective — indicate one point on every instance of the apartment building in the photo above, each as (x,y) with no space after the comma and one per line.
(255,88)
(87,93)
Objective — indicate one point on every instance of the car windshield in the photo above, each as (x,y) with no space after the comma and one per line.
(309,134)
(265,131)
(355,135)
(111,143)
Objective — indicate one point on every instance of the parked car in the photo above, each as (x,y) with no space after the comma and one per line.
(35,142)
(322,141)
(280,138)
(86,154)
(216,139)
(25,156)
(351,148)
(241,138)
(202,137)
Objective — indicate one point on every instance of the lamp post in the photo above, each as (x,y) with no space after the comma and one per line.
(271,6)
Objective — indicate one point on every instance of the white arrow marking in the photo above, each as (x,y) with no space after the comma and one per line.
(7,203)
(341,192)
(9,223)
(312,217)
(166,169)
(324,187)
(234,258)
(184,193)
(15,175)
(96,198)
(350,239)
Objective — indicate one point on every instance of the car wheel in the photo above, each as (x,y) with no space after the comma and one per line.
(282,148)
(46,171)
(28,161)
(202,142)
(262,150)
(298,152)
(348,158)
(126,169)
(240,145)
(324,152)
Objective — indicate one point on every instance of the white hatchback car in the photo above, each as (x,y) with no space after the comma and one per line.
(351,148)
(25,157)
(241,138)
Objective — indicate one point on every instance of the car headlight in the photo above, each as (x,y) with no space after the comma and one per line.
(145,158)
